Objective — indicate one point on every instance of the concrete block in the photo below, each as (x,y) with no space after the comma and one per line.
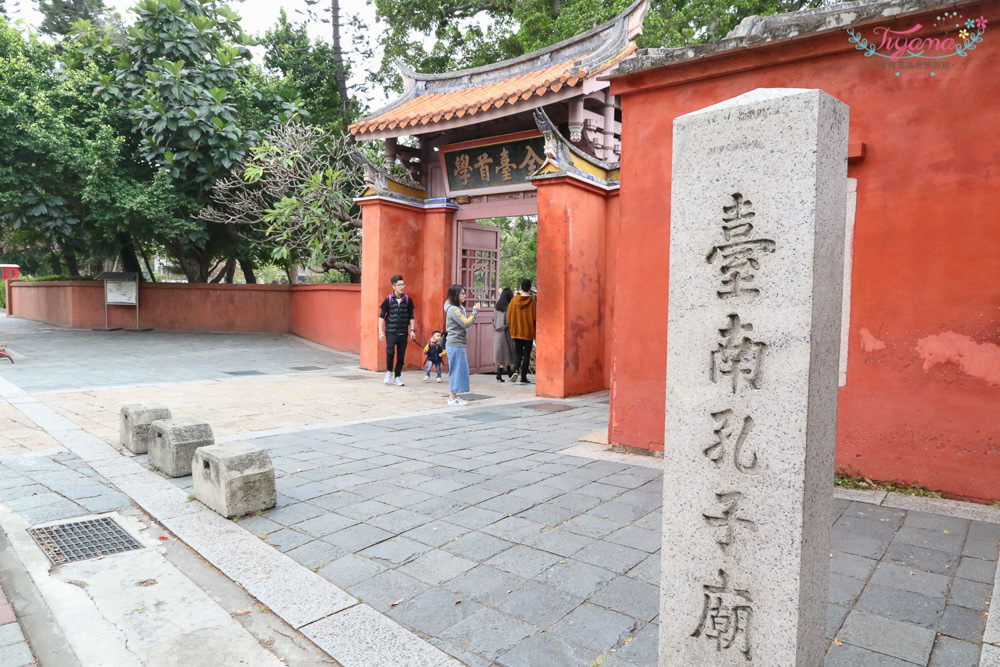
(134,421)
(234,479)
(172,443)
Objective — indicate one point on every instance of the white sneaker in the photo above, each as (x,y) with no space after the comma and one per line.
(388,378)
(457,401)
(513,377)
(398,382)
(427,378)
(439,378)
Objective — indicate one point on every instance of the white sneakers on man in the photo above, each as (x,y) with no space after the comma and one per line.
(388,378)
(398,382)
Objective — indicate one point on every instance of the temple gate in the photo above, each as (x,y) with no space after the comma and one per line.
(535,135)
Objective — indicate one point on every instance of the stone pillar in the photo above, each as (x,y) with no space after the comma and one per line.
(572,229)
(756,268)
(437,250)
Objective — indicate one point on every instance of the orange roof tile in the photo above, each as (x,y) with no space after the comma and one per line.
(431,107)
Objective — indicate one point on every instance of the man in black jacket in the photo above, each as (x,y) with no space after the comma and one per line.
(395,317)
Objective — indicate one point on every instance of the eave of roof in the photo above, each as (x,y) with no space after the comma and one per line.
(756,31)
(434,98)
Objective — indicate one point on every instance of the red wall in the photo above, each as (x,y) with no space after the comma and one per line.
(327,314)
(572,301)
(923,381)
(416,243)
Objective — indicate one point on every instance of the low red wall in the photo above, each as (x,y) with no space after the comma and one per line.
(326,314)
(329,315)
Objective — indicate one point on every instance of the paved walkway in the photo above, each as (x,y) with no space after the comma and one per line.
(408,532)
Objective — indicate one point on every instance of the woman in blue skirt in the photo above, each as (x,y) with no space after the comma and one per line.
(457,323)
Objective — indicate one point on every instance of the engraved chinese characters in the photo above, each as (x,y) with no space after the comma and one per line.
(756,222)
(493,165)
(737,361)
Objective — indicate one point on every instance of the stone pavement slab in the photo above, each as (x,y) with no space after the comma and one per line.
(492,540)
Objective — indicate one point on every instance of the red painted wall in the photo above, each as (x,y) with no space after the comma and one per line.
(923,381)
(572,240)
(328,314)
(416,243)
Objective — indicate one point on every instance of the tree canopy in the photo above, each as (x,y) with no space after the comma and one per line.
(441,35)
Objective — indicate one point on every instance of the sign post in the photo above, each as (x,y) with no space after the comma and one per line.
(120,289)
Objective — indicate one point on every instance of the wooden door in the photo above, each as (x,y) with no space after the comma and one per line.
(477,268)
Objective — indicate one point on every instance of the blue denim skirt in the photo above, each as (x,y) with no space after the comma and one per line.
(458,370)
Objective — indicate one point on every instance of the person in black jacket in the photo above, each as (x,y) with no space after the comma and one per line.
(395,317)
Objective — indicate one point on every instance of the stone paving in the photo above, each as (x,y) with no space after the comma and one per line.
(14,649)
(489,531)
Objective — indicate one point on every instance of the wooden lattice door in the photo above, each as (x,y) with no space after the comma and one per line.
(477,268)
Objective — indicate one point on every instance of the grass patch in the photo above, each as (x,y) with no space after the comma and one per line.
(847,479)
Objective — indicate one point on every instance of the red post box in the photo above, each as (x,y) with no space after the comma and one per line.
(9,271)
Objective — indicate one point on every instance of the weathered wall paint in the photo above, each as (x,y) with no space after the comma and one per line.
(920,401)
(572,297)
(416,243)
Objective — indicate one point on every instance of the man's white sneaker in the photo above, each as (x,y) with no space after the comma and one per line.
(457,401)
(427,378)
(439,378)
(398,382)
(388,378)
(514,376)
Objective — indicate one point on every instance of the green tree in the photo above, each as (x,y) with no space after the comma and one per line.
(313,69)
(293,197)
(470,33)
(196,104)
(60,15)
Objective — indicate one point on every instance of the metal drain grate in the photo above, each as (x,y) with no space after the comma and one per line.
(81,540)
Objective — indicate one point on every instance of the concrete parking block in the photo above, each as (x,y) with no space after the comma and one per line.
(887,636)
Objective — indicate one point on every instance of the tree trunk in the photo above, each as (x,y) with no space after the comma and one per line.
(56,263)
(338,57)
(248,274)
(145,259)
(130,262)
(71,263)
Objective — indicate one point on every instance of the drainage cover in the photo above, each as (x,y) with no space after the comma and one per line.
(307,368)
(243,372)
(81,540)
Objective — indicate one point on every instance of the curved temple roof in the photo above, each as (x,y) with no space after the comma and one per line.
(432,98)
